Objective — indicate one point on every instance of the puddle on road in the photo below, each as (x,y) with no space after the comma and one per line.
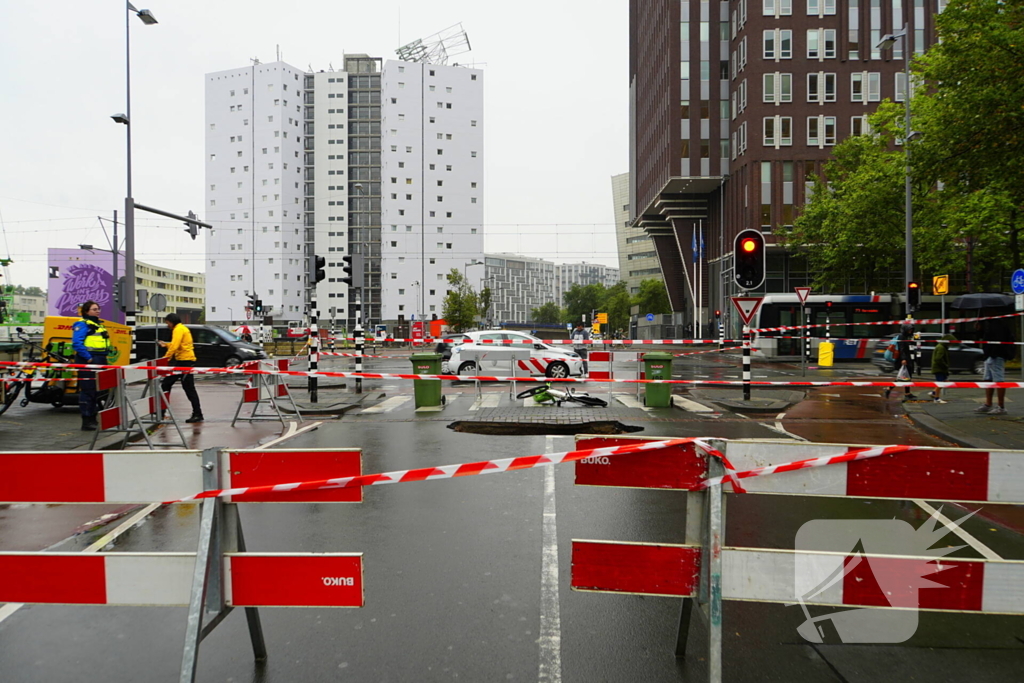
(542,428)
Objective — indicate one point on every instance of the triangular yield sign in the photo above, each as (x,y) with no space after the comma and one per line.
(747,306)
(802,292)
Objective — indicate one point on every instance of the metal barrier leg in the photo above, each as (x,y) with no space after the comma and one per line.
(232,521)
(196,607)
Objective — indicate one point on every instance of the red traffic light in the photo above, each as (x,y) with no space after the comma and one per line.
(914,285)
(748,245)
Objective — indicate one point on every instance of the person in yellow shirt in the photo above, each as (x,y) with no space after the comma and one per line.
(181,355)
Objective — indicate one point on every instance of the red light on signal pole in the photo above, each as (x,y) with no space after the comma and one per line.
(748,245)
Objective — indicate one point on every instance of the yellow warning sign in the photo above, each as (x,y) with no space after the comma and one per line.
(940,285)
(602,318)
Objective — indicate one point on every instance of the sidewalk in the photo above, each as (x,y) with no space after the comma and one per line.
(956,420)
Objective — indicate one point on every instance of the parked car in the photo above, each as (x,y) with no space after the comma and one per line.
(545,359)
(962,357)
(445,349)
(214,346)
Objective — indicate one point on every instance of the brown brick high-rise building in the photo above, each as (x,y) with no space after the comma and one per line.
(735,106)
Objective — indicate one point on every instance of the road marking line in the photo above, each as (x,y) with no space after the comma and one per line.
(291,432)
(486,401)
(982,549)
(550,639)
(690,406)
(387,406)
(631,402)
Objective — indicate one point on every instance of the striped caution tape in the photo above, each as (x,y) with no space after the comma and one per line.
(855,454)
(442,472)
(732,476)
(168,370)
(927,321)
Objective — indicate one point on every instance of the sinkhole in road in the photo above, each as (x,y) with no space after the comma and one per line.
(542,428)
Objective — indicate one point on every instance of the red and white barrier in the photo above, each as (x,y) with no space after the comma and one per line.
(165,579)
(600,365)
(147,476)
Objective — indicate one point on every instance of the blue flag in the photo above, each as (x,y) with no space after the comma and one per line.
(693,245)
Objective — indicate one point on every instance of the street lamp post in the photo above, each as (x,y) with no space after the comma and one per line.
(887,42)
(148,19)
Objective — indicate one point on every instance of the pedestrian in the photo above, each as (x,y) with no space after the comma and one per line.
(91,343)
(940,365)
(904,359)
(579,336)
(996,356)
(181,355)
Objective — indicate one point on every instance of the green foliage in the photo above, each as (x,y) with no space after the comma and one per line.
(616,304)
(548,313)
(581,300)
(461,304)
(485,303)
(23,291)
(967,166)
(652,297)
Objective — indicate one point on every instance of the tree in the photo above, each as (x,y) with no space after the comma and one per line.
(460,304)
(616,304)
(548,313)
(652,297)
(34,291)
(581,300)
(485,303)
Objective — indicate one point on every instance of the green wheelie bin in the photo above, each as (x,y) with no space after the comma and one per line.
(427,391)
(658,365)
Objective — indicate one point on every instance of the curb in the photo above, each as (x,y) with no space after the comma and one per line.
(938,428)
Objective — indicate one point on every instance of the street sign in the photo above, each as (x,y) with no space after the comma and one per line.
(650,317)
(940,285)
(747,306)
(158,302)
(802,293)
(1017,281)
(602,318)
(1018,300)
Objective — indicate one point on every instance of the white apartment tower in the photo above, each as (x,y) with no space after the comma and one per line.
(382,163)
(254,168)
(432,182)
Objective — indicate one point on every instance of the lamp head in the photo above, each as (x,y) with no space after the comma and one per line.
(147,17)
(120,118)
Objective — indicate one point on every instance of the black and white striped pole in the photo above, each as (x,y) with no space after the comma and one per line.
(359,340)
(807,338)
(316,274)
(746,362)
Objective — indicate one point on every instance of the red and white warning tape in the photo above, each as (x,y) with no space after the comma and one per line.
(443,472)
(166,370)
(855,454)
(732,476)
(927,321)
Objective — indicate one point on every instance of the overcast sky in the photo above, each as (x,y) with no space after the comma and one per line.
(555,102)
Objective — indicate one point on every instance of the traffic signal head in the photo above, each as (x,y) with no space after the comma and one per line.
(347,269)
(914,293)
(257,306)
(191,228)
(316,269)
(718,314)
(748,259)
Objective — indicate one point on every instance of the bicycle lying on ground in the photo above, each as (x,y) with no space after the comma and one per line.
(545,393)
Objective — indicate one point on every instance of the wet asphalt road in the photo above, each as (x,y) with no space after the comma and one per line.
(455,579)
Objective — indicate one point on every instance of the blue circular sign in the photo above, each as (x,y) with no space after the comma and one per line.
(650,316)
(1017,281)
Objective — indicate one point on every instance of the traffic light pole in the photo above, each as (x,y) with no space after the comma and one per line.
(314,346)
(359,339)
(746,363)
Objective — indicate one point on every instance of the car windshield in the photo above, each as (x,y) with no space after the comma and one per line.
(224,334)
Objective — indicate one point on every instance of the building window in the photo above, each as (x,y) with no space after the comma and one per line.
(859,125)
(821,87)
(778,87)
(778,44)
(821,8)
(777,8)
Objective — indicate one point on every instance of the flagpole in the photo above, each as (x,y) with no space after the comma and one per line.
(700,277)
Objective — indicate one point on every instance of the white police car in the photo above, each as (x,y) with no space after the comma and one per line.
(545,359)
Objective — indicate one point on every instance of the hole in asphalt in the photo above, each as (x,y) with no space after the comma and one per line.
(541,428)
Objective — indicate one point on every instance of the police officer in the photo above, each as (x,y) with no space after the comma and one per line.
(92,344)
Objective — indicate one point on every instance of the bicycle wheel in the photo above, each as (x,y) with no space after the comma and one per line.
(532,391)
(9,395)
(590,401)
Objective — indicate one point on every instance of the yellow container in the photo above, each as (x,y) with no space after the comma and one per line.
(57,331)
(826,352)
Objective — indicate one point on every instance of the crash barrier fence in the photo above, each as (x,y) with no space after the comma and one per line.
(263,390)
(140,416)
(702,571)
(497,378)
(216,578)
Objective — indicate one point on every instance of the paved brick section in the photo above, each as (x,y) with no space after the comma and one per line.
(554,415)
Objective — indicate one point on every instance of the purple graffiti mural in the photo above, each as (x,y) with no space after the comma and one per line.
(82,282)
(81,275)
